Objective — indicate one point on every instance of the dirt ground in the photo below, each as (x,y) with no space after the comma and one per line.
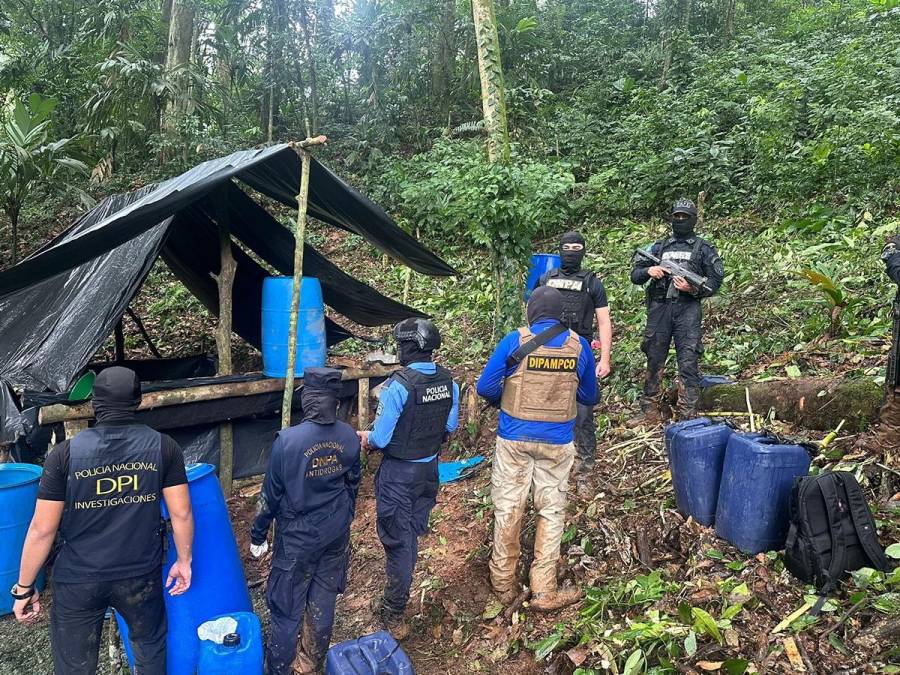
(623,526)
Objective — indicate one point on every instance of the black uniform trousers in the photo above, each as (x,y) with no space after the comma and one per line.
(405,493)
(302,591)
(76,623)
(678,319)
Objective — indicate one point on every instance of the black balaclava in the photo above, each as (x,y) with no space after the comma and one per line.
(684,229)
(409,352)
(570,261)
(117,395)
(545,303)
(319,394)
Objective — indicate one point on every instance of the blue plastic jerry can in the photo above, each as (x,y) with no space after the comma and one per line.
(696,455)
(675,427)
(375,654)
(757,477)
(231,643)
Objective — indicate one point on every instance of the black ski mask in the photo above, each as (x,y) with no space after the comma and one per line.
(570,261)
(683,228)
(684,218)
(319,394)
(409,352)
(117,395)
(545,303)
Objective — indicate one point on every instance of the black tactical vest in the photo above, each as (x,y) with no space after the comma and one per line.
(420,430)
(111,525)
(578,309)
(684,252)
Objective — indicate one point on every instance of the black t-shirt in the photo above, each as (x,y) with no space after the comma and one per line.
(56,469)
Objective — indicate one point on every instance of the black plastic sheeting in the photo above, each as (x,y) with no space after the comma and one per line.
(274,171)
(59,305)
(11,420)
(51,329)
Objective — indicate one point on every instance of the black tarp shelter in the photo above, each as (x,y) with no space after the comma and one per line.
(59,305)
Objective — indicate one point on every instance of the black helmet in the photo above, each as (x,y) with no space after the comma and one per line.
(420,331)
(685,206)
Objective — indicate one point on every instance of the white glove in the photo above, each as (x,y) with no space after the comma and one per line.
(257,550)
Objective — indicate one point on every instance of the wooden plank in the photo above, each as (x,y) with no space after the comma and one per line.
(52,414)
(363,403)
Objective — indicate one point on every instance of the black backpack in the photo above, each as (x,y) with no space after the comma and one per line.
(832,531)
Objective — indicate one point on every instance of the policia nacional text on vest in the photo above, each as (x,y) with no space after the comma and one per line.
(578,309)
(420,429)
(544,387)
(112,510)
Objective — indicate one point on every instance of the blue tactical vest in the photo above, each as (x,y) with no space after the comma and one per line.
(420,430)
(111,524)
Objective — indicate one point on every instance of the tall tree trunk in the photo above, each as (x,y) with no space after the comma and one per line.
(490,71)
(686,15)
(12,211)
(729,19)
(444,62)
(311,66)
(178,56)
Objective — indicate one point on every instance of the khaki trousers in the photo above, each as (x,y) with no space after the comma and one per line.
(521,467)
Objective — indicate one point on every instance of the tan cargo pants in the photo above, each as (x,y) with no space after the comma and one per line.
(519,468)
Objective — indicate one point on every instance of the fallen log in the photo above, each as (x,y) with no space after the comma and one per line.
(813,403)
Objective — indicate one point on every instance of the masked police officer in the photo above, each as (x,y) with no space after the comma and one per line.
(102,491)
(888,434)
(310,490)
(537,375)
(584,299)
(417,409)
(673,311)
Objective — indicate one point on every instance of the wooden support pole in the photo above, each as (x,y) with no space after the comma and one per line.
(472,409)
(225,282)
(363,403)
(119,340)
(299,238)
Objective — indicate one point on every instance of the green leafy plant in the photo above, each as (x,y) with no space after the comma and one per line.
(27,156)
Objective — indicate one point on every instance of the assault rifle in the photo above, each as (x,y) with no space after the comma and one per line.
(675,270)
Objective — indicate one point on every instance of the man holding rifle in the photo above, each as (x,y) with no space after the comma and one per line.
(682,269)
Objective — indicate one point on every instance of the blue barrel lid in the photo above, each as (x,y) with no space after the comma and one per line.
(30,473)
(198,471)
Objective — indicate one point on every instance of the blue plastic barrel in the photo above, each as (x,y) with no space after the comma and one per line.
(18,495)
(375,654)
(540,263)
(696,455)
(276,319)
(218,585)
(241,652)
(757,478)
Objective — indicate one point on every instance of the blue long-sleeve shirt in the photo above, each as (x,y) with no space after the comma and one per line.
(490,386)
(390,405)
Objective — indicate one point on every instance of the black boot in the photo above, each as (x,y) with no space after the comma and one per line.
(649,416)
(688,400)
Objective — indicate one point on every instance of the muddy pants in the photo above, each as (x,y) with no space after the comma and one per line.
(405,493)
(76,622)
(521,467)
(302,593)
(585,436)
(678,319)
